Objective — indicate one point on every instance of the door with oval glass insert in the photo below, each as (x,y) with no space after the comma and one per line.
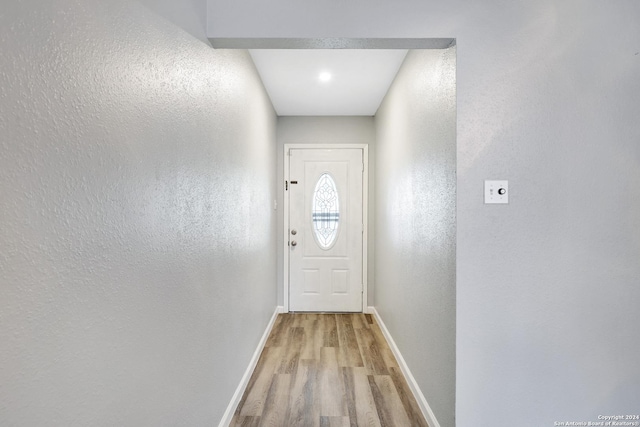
(325,229)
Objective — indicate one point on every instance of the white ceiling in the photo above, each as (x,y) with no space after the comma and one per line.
(359,81)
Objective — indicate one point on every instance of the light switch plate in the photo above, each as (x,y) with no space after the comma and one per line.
(496,192)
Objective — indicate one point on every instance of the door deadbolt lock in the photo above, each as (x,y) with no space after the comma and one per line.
(294,232)
(294,243)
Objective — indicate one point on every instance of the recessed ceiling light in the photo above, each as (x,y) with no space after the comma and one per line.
(324,76)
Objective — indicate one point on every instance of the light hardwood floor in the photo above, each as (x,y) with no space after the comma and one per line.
(327,370)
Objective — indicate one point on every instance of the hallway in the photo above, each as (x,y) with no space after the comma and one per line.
(142,197)
(327,370)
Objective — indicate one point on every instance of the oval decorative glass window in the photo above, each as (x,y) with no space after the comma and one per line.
(325,211)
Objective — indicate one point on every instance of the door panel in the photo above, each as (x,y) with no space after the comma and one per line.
(325,244)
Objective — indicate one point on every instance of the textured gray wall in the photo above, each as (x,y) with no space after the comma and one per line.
(327,130)
(547,286)
(137,236)
(416,224)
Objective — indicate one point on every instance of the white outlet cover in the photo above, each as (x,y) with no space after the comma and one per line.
(492,190)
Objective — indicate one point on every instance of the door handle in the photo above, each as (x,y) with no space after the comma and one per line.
(294,243)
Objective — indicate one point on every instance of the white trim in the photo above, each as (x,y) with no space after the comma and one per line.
(237,396)
(413,385)
(285,222)
(365,216)
(365,226)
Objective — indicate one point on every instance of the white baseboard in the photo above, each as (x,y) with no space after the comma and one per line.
(413,385)
(237,396)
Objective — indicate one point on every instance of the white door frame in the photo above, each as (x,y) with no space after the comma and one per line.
(365,220)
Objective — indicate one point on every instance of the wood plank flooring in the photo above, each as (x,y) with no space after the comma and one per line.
(327,370)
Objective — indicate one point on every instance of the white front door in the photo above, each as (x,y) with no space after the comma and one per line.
(325,229)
